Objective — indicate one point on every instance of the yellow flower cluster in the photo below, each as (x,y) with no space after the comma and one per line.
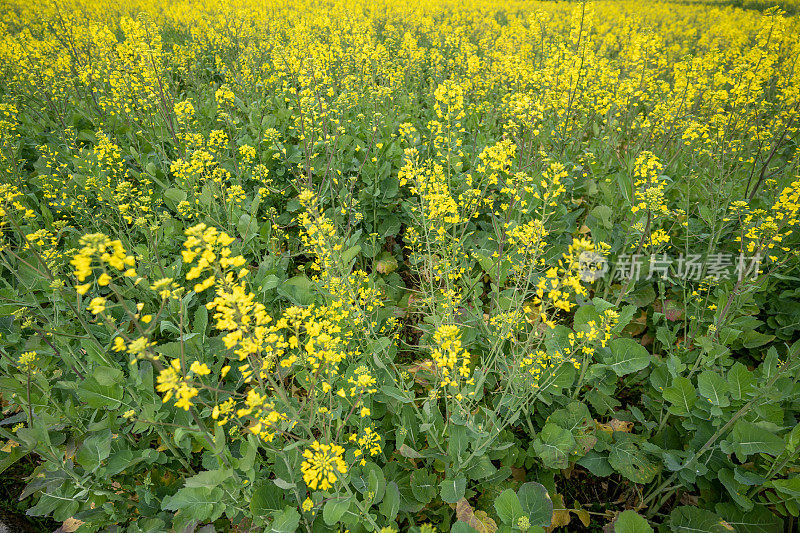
(171,380)
(451,359)
(649,187)
(99,249)
(541,364)
(321,465)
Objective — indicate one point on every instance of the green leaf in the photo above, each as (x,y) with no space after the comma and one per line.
(686,519)
(790,488)
(61,505)
(583,316)
(94,450)
(553,446)
(390,505)
(748,439)
(457,442)
(203,503)
(759,520)
(285,521)
(735,489)
(452,490)
(173,196)
(754,339)
(681,395)
(625,356)
(334,510)
(98,396)
(462,527)
(536,503)
(350,254)
(740,381)
(630,522)
(209,478)
(297,290)
(642,297)
(423,485)
(712,386)
(596,463)
(267,498)
(376,482)
(107,376)
(627,459)
(604,214)
(480,468)
(576,419)
(247,226)
(397,394)
(508,507)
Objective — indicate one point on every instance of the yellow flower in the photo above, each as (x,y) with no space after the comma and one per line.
(322,464)
(26,360)
(200,369)
(97,305)
(307,505)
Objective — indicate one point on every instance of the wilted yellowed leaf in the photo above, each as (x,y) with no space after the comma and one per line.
(560,513)
(583,516)
(11,444)
(71,524)
(479,520)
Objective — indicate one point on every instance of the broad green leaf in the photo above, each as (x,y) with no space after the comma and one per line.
(625,356)
(631,522)
(376,482)
(681,395)
(748,439)
(391,501)
(267,498)
(740,381)
(508,507)
(297,290)
(577,419)
(203,503)
(553,446)
(209,478)
(107,376)
(759,520)
(397,394)
(480,468)
(285,521)
(174,196)
(462,527)
(583,316)
(457,442)
(98,396)
(247,226)
(59,503)
(334,510)
(686,519)
(596,463)
(735,489)
(712,386)
(790,488)
(94,449)
(351,254)
(627,459)
(536,503)
(423,485)
(452,489)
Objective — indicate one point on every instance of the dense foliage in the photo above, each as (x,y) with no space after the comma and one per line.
(401,266)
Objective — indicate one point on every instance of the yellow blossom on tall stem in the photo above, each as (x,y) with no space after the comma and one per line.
(322,465)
